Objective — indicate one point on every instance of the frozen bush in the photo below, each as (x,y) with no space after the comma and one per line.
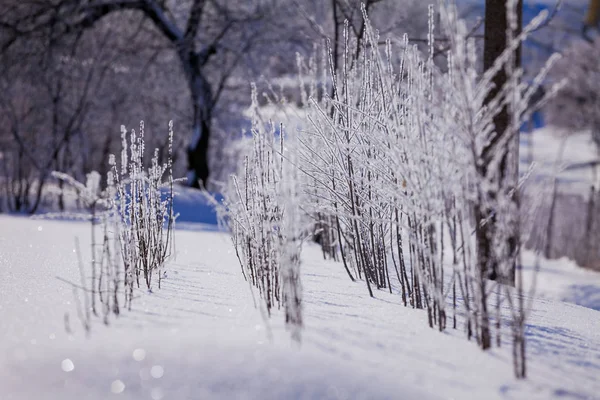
(399,175)
(132,221)
(262,210)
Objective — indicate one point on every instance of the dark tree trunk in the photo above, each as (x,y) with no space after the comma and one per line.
(495,42)
(202,103)
(197,152)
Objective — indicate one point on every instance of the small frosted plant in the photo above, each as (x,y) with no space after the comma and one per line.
(144,205)
(132,222)
(262,211)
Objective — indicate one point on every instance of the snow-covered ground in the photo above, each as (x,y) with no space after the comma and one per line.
(200,337)
(564,280)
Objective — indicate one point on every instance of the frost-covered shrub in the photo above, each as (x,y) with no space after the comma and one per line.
(132,221)
(105,267)
(262,211)
(400,164)
(144,206)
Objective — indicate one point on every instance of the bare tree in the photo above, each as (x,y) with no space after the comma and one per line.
(495,43)
(44,102)
(210,40)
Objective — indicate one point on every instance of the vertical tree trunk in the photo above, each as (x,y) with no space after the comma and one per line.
(495,42)
(198,171)
(550,228)
(589,229)
(202,103)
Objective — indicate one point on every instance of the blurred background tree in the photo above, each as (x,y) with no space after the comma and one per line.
(72,71)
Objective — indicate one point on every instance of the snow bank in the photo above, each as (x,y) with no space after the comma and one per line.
(202,338)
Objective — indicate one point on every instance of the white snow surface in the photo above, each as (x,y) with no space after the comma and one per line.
(200,336)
